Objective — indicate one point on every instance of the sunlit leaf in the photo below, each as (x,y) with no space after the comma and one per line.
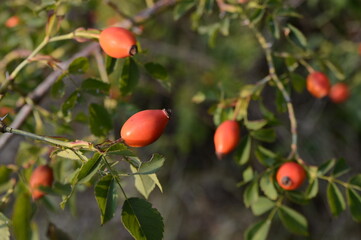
(141,220)
(89,168)
(4,227)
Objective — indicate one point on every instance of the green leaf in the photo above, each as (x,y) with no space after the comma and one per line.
(258,231)
(297,197)
(335,199)
(182,8)
(298,35)
(58,88)
(356,180)
(4,227)
(268,187)
(265,156)
(257,16)
(110,64)
(335,69)
(293,221)
(130,76)
(106,196)
(298,82)
(244,151)
(255,125)
(79,65)
(340,168)
(141,220)
(354,202)
(248,174)
(119,149)
(70,102)
(70,154)
(89,168)
(312,189)
(261,206)
(266,135)
(153,165)
(95,87)
(156,70)
(100,120)
(326,167)
(5,173)
(145,184)
(21,218)
(251,194)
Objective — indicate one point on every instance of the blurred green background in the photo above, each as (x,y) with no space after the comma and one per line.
(200,199)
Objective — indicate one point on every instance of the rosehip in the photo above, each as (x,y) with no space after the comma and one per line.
(318,84)
(290,176)
(41,176)
(118,42)
(226,137)
(12,22)
(144,127)
(339,93)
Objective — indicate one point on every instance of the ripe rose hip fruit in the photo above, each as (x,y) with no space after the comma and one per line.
(12,22)
(226,137)
(144,127)
(41,176)
(290,175)
(339,93)
(318,84)
(118,42)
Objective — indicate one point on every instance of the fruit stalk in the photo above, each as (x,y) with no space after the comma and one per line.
(272,72)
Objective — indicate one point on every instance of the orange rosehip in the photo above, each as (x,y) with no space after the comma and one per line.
(318,84)
(41,176)
(226,137)
(118,42)
(339,93)
(144,127)
(290,175)
(12,22)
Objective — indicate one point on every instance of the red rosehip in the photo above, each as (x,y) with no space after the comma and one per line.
(144,127)
(12,22)
(118,42)
(290,175)
(41,176)
(226,137)
(339,93)
(318,84)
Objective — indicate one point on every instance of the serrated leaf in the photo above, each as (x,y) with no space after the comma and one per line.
(110,64)
(340,168)
(143,183)
(106,196)
(182,8)
(265,134)
(89,168)
(130,76)
(95,87)
(267,186)
(256,124)
(326,167)
(4,227)
(261,206)
(312,189)
(298,35)
(265,156)
(335,200)
(251,194)
(79,65)
(244,151)
(153,165)
(258,231)
(141,220)
(293,221)
(99,119)
(21,217)
(354,202)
